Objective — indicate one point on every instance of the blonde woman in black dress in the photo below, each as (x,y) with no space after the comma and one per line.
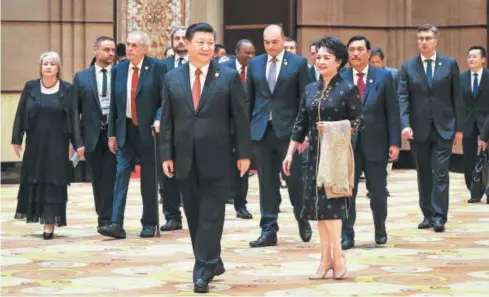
(339,100)
(45,116)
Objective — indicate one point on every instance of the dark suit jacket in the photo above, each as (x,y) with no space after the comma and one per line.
(443,98)
(204,135)
(27,111)
(283,102)
(477,109)
(148,99)
(231,63)
(382,124)
(312,73)
(87,107)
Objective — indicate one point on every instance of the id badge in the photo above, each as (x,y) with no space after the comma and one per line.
(105,105)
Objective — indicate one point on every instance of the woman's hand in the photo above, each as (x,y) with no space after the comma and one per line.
(17,149)
(321,126)
(286,164)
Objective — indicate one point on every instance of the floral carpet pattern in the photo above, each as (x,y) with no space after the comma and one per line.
(413,263)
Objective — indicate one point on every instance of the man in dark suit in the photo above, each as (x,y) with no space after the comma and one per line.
(312,71)
(199,100)
(275,83)
(475,90)
(432,112)
(92,104)
(135,98)
(378,142)
(377,60)
(169,191)
(245,50)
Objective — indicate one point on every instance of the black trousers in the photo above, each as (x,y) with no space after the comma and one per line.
(376,181)
(469,156)
(270,152)
(103,165)
(432,160)
(240,190)
(170,193)
(204,206)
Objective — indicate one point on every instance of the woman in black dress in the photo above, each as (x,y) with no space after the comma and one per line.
(45,115)
(339,100)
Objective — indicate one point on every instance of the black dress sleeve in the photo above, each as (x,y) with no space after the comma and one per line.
(19,121)
(354,109)
(301,125)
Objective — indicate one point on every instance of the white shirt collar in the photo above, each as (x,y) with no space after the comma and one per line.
(98,69)
(364,71)
(478,72)
(238,66)
(139,65)
(433,58)
(279,57)
(185,58)
(204,69)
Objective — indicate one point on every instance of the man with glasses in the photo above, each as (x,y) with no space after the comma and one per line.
(431,117)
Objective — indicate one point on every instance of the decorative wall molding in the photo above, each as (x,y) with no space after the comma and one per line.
(156,17)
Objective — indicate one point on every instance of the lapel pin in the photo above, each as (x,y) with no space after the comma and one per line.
(146,68)
(370,81)
(439,63)
(216,74)
(285,62)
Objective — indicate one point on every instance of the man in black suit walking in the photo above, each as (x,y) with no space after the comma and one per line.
(135,98)
(169,191)
(432,112)
(275,83)
(378,142)
(245,50)
(201,101)
(475,90)
(92,103)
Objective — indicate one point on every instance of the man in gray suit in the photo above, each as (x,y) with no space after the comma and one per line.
(432,112)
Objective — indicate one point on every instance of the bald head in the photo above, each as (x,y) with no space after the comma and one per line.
(274,38)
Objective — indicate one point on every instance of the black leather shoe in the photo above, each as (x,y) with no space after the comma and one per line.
(201,286)
(347,244)
(472,200)
(171,225)
(113,230)
(147,231)
(244,214)
(439,226)
(425,224)
(265,240)
(47,236)
(305,230)
(218,271)
(382,239)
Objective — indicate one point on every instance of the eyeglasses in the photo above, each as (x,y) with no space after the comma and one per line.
(427,38)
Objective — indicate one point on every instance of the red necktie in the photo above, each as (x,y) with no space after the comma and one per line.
(242,74)
(196,89)
(361,84)
(134,87)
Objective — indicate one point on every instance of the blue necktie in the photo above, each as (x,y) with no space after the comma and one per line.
(429,72)
(475,86)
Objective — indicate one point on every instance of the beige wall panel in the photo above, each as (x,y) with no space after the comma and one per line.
(99,10)
(448,12)
(92,32)
(25,10)
(21,63)
(9,107)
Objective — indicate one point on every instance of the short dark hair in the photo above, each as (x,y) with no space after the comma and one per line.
(335,47)
(199,27)
(120,50)
(218,47)
(429,28)
(288,38)
(481,48)
(101,39)
(241,42)
(359,38)
(377,51)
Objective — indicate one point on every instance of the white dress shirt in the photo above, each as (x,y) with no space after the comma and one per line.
(203,75)
(433,61)
(279,59)
(316,72)
(177,58)
(479,75)
(355,76)
(238,67)
(129,85)
(99,77)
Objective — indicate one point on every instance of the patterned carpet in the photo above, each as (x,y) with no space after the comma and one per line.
(413,263)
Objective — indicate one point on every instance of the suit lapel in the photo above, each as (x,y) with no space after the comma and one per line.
(264,63)
(438,65)
(212,76)
(484,82)
(465,81)
(92,81)
(142,75)
(371,79)
(187,88)
(122,80)
(283,70)
(420,70)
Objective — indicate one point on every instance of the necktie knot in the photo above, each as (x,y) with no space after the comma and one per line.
(198,72)
(273,60)
(360,75)
(103,70)
(135,68)
(428,61)
(476,75)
